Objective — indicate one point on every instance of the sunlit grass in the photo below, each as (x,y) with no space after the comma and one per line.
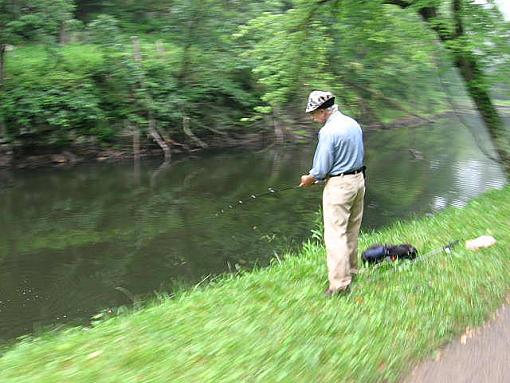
(274,324)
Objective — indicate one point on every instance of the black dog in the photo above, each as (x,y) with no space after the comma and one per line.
(379,253)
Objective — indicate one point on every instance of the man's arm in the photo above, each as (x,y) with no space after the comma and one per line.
(322,162)
(324,158)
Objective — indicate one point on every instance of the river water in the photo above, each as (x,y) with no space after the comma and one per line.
(77,241)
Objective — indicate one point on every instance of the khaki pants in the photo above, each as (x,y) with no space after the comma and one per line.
(343,210)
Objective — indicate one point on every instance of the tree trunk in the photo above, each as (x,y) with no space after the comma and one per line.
(279,132)
(137,56)
(157,137)
(187,130)
(467,63)
(136,143)
(194,20)
(63,35)
(136,152)
(477,89)
(2,61)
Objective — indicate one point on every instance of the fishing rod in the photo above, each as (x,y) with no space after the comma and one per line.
(252,197)
(447,249)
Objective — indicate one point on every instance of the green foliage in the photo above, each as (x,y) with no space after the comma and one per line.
(146,16)
(358,52)
(489,38)
(50,109)
(221,65)
(104,30)
(32,20)
(289,52)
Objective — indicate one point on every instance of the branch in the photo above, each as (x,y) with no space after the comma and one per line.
(457,17)
(430,15)
(157,137)
(189,133)
(400,3)
(383,97)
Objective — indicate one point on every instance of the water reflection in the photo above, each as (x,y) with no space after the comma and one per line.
(70,237)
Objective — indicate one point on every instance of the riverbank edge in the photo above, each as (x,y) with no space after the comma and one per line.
(70,156)
(274,324)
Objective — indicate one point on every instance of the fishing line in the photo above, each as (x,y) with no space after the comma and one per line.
(253,197)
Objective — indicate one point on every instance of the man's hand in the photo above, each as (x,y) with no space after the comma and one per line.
(307,180)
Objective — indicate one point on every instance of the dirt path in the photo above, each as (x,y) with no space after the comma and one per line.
(481,355)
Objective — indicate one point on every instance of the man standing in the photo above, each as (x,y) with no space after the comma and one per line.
(338,160)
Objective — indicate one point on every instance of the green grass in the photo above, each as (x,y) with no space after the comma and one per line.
(274,325)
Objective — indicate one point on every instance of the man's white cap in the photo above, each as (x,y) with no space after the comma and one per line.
(318,99)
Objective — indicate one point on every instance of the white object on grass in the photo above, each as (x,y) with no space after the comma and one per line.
(480,242)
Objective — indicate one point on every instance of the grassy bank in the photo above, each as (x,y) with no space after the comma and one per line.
(274,325)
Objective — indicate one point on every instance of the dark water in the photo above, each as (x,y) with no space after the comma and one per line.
(70,237)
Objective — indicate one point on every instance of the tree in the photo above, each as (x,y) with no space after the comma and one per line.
(378,54)
(8,13)
(209,71)
(460,32)
(368,55)
(31,20)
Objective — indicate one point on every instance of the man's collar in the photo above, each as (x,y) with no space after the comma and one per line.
(335,111)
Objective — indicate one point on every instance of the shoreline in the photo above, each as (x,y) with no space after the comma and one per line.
(70,156)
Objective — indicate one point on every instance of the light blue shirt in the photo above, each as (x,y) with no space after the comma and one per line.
(340,148)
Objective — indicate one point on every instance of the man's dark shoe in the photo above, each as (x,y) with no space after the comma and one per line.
(340,292)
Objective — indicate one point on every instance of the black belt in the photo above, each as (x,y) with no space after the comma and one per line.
(360,170)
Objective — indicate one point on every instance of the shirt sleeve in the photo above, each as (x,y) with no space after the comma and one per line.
(323,158)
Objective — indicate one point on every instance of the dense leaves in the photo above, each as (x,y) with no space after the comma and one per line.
(205,69)
(52,109)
